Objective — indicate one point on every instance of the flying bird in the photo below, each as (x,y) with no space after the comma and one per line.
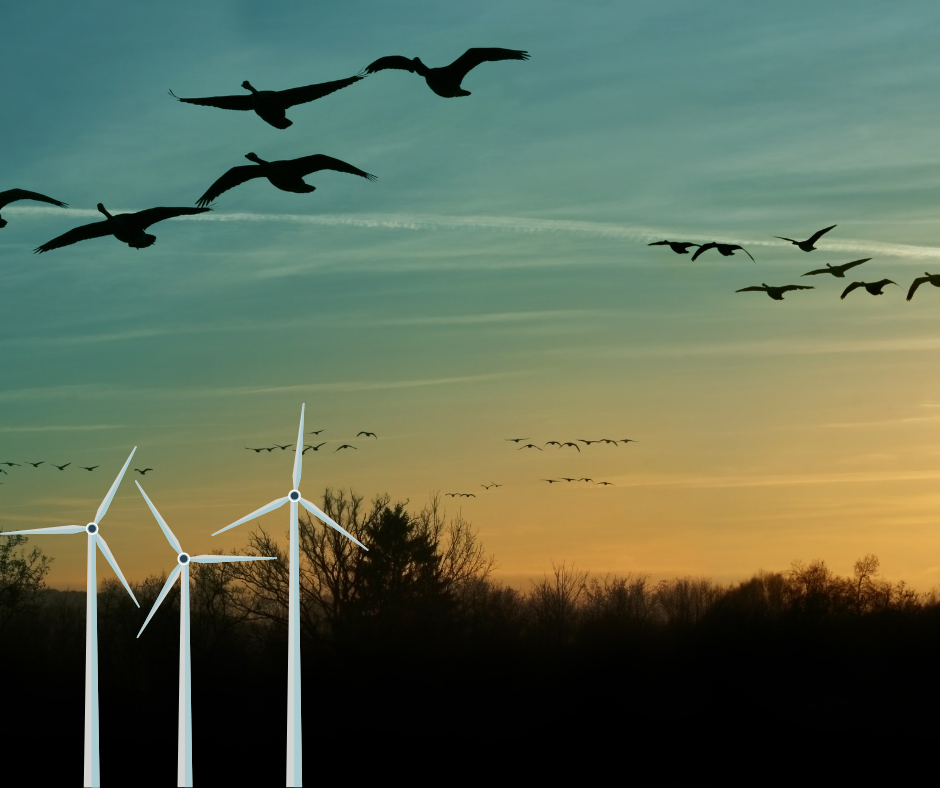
(258,451)
(627,440)
(679,247)
(553,443)
(126,227)
(609,484)
(568,479)
(315,432)
(934,279)
(569,443)
(468,495)
(837,270)
(726,249)
(529,446)
(282,448)
(586,479)
(551,481)
(11,464)
(88,468)
(12,195)
(36,464)
(287,175)
(445,80)
(776,293)
(516,440)
(308,447)
(807,245)
(367,434)
(874,288)
(271,105)
(345,446)
(587,442)
(608,440)
(452,495)
(144,471)
(62,467)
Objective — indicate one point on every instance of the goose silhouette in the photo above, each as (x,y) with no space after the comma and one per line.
(933,279)
(287,175)
(726,249)
(12,195)
(445,80)
(776,293)
(807,245)
(271,105)
(126,227)
(679,247)
(837,270)
(874,288)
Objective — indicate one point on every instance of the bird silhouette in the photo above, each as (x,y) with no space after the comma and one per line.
(586,479)
(551,481)
(726,249)
(568,478)
(144,471)
(553,443)
(587,442)
(12,195)
(445,80)
(282,448)
(569,443)
(934,279)
(287,175)
(776,293)
(258,451)
(308,447)
(315,432)
(837,270)
(452,495)
(608,484)
(12,464)
(271,105)
(494,484)
(874,288)
(126,227)
(516,440)
(529,446)
(88,468)
(345,446)
(626,440)
(3,471)
(468,495)
(61,467)
(608,440)
(679,247)
(36,464)
(807,245)
(367,434)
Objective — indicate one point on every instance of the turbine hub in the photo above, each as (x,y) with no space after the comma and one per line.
(92,528)
(183,558)
(294,495)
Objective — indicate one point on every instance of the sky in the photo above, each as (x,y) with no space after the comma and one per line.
(494,282)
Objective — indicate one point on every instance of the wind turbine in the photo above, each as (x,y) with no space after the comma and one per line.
(184,750)
(95,539)
(294,737)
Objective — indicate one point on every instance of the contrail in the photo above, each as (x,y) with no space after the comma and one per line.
(517,224)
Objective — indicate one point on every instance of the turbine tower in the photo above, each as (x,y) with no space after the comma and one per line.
(95,539)
(294,737)
(184,749)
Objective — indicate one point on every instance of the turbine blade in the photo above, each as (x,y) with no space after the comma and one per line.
(170,536)
(263,510)
(315,511)
(103,509)
(299,459)
(166,589)
(58,529)
(227,559)
(103,546)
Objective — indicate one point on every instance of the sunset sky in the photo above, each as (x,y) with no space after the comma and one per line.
(494,282)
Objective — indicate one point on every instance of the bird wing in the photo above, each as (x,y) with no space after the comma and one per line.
(234,177)
(12,195)
(83,233)
(391,61)
(659,243)
(819,271)
(704,248)
(307,164)
(850,288)
(854,263)
(785,239)
(154,215)
(816,236)
(755,287)
(746,252)
(915,284)
(785,288)
(294,96)
(222,102)
(476,55)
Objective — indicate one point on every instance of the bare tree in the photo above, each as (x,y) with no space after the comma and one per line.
(555,603)
(463,558)
(685,600)
(22,576)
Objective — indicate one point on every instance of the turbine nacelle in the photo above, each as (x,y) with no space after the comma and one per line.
(294,495)
(91,528)
(183,559)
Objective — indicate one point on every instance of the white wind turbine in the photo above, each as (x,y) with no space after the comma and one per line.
(184,749)
(92,770)
(294,738)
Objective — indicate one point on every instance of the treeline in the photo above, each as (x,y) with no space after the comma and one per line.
(414,637)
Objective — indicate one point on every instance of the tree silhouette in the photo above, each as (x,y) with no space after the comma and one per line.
(22,577)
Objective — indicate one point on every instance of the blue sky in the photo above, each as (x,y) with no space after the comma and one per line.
(495,280)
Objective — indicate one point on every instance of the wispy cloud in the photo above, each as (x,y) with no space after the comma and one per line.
(774,480)
(65,428)
(518,224)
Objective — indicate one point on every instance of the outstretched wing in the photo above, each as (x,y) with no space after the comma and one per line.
(294,96)
(234,177)
(785,288)
(784,239)
(659,243)
(307,164)
(704,248)
(854,263)
(915,284)
(476,55)
(746,252)
(391,61)
(154,215)
(222,102)
(850,288)
(819,271)
(12,195)
(83,233)
(816,236)
(755,287)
